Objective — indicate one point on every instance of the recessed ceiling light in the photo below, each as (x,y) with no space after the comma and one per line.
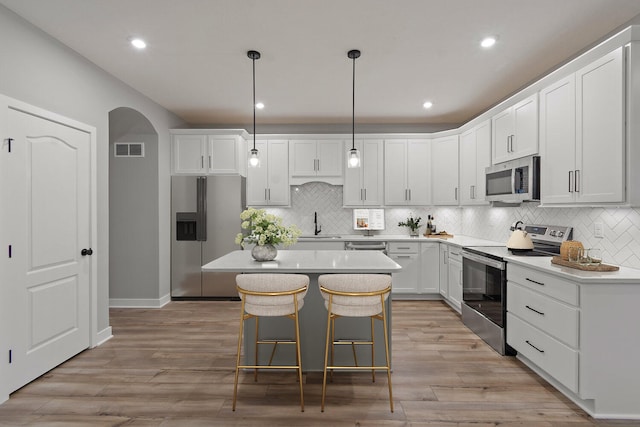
(259,105)
(138,43)
(488,42)
(427,105)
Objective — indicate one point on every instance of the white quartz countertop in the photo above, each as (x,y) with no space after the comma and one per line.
(625,275)
(296,261)
(457,240)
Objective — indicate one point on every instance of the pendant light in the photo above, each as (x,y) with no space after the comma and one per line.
(254,160)
(353,159)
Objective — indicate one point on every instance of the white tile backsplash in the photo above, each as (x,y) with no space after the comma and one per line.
(620,244)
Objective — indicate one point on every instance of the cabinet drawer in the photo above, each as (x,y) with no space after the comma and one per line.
(404,247)
(545,283)
(558,360)
(551,316)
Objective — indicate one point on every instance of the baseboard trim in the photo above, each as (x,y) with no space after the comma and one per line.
(139,302)
(104,335)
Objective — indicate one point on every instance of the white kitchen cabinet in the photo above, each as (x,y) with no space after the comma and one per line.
(407,254)
(407,181)
(444,270)
(200,152)
(363,185)
(475,156)
(582,135)
(515,131)
(268,185)
(429,268)
(444,170)
(455,278)
(576,336)
(316,160)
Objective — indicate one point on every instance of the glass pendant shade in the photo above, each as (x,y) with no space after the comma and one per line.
(254,160)
(353,160)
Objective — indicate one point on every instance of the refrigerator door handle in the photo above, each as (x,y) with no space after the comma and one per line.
(201,215)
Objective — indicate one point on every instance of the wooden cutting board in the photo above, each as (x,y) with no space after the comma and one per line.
(441,235)
(587,267)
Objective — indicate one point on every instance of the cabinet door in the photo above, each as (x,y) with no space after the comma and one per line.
(525,128)
(558,141)
(395,172)
(372,164)
(330,155)
(278,173)
(468,167)
(429,268)
(502,129)
(257,178)
(189,154)
(455,283)
(444,270)
(223,155)
(600,116)
(483,161)
(406,281)
(303,157)
(444,169)
(418,174)
(352,194)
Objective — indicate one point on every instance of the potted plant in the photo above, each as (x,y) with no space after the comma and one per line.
(412,223)
(266,231)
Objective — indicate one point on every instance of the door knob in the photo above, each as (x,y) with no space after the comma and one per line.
(86,252)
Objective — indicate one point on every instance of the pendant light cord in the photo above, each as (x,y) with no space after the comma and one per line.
(254,101)
(353,107)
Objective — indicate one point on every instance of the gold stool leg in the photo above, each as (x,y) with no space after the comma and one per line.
(255,371)
(326,354)
(373,351)
(386,351)
(298,355)
(235,383)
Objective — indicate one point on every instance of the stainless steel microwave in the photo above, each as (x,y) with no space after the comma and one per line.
(514,181)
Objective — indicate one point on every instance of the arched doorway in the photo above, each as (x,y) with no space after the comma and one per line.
(133,209)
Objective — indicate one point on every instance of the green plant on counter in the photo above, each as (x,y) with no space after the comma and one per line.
(265,229)
(411,222)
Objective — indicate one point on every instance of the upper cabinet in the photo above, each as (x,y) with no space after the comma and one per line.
(515,131)
(316,160)
(363,185)
(268,184)
(203,152)
(582,134)
(444,170)
(407,180)
(475,156)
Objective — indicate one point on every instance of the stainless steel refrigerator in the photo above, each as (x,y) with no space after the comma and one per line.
(205,218)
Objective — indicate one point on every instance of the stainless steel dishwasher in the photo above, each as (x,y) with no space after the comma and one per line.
(366,246)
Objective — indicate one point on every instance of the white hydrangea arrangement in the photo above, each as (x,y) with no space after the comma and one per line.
(265,229)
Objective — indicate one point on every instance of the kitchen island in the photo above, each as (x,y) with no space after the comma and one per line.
(313,315)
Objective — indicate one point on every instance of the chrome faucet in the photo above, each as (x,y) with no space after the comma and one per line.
(317,229)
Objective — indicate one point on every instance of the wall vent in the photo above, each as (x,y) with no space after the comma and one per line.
(128,149)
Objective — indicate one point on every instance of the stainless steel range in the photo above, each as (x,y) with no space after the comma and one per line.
(484,282)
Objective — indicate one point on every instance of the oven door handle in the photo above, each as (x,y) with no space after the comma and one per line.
(500,265)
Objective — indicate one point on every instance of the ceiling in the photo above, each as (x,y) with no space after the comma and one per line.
(196,64)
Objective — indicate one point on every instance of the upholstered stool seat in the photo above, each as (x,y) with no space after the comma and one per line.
(355,295)
(270,295)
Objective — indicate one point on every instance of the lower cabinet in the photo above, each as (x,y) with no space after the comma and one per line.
(455,278)
(578,336)
(408,256)
(443,263)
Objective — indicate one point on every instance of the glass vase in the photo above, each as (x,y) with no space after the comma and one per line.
(264,253)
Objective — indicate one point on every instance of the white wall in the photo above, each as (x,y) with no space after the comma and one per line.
(38,70)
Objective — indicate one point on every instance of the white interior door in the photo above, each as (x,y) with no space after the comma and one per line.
(48,209)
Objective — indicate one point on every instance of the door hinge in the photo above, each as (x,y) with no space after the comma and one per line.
(9,143)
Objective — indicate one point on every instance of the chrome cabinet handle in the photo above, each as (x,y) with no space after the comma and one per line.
(570,181)
(471,192)
(409,194)
(202,162)
(455,193)
(365,194)
(209,162)
(576,184)
(534,310)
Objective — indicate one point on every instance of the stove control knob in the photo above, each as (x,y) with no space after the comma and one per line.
(560,233)
(552,233)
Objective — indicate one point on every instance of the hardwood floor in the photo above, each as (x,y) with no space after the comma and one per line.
(174,367)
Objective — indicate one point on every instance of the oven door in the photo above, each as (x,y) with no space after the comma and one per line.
(484,285)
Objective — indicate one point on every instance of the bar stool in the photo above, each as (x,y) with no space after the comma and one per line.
(270,295)
(355,295)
